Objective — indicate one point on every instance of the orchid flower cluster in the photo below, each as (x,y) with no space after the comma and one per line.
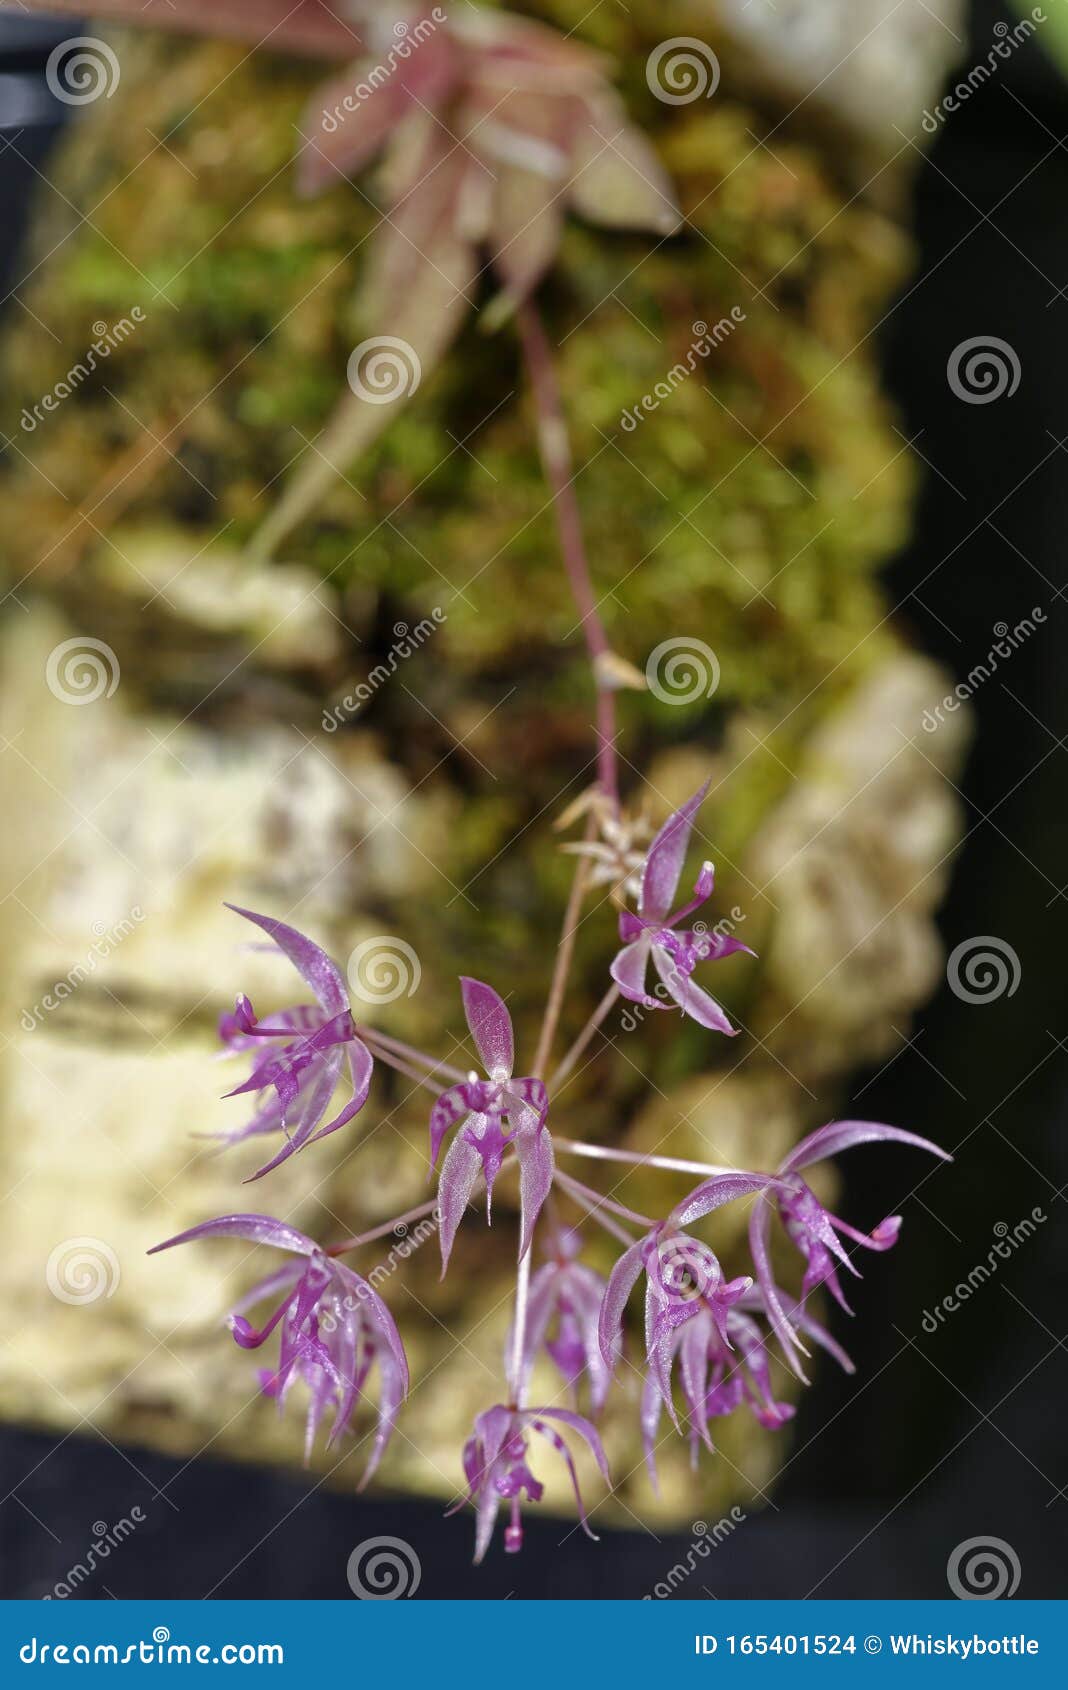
(706,1345)
(490,129)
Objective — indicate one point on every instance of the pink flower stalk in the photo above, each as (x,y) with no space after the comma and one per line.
(653,933)
(484,1106)
(307,1046)
(495,1466)
(334,1329)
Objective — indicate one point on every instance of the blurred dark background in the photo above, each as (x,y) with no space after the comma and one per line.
(941,1436)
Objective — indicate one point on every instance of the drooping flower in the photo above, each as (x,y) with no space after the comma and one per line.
(485,1106)
(720,1369)
(815,1230)
(683,1278)
(653,931)
(562,1316)
(495,1466)
(334,1328)
(306,1048)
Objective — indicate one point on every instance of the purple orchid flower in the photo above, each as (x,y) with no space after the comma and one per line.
(720,1366)
(816,1232)
(567,1294)
(334,1329)
(480,1146)
(303,1069)
(495,1465)
(654,931)
(684,1279)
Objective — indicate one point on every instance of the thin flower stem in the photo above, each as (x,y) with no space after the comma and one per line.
(584,1037)
(562,965)
(400,1067)
(519,1328)
(596,1200)
(605,1153)
(409,1052)
(595,1214)
(415,1214)
(556,461)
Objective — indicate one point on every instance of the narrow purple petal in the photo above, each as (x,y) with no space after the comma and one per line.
(534,1152)
(585,1290)
(321,974)
(652,1403)
(621,1282)
(713,1193)
(690,998)
(451,1106)
(585,1429)
(843,1135)
(456,1182)
(559,1445)
(667,853)
(312,1110)
(491,1027)
(257,1229)
(628,968)
(759,1227)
